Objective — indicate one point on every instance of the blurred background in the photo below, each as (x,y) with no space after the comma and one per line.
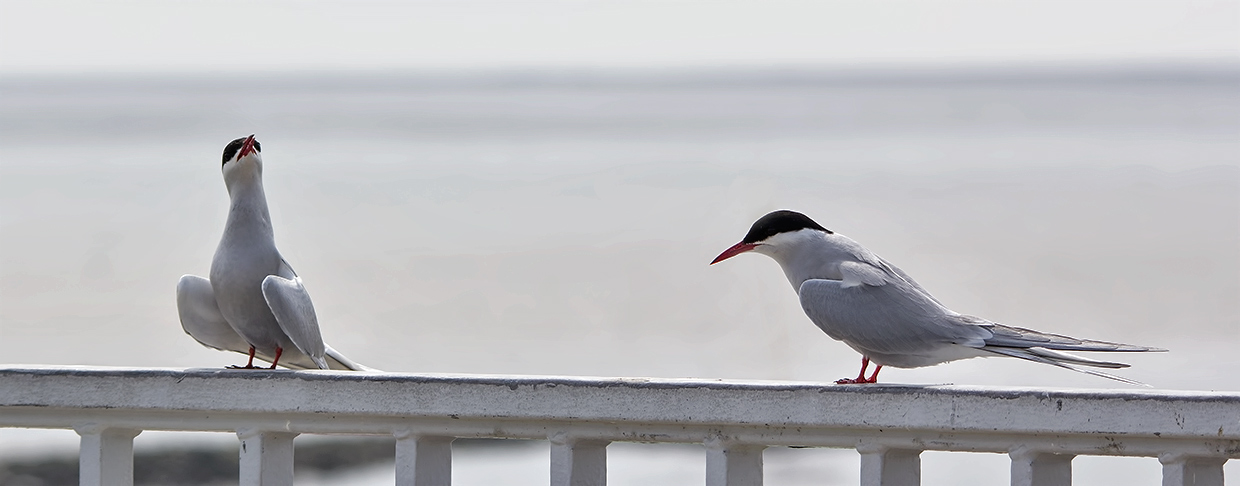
(537,188)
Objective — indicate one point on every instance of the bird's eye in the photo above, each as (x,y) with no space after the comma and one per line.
(257,147)
(231,149)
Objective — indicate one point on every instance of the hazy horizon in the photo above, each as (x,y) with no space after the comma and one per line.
(82,37)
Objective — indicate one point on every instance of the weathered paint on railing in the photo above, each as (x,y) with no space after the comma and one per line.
(1192,433)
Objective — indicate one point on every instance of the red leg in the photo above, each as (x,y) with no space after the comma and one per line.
(280,351)
(874,377)
(248,365)
(865,363)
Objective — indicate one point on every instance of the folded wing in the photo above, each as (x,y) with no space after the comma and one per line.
(290,303)
(894,318)
(201,317)
(202,320)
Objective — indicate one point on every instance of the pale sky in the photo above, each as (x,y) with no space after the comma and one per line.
(218,36)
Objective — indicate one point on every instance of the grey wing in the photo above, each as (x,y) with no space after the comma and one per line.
(201,317)
(894,318)
(290,303)
(202,320)
(897,273)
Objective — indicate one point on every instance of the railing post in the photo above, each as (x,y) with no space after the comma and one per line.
(731,464)
(578,462)
(1182,470)
(1034,468)
(423,460)
(884,466)
(266,458)
(105,457)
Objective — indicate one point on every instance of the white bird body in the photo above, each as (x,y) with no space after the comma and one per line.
(253,302)
(877,309)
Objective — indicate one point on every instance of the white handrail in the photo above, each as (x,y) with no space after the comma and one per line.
(1192,433)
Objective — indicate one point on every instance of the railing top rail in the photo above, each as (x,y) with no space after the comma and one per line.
(681,403)
(311,376)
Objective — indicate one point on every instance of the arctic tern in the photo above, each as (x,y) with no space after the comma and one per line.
(254,303)
(881,312)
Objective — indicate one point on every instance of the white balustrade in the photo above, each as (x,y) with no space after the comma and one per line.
(106,454)
(578,462)
(733,464)
(1033,468)
(423,460)
(266,458)
(1192,433)
(885,466)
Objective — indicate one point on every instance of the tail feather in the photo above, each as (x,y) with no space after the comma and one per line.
(1070,358)
(1062,360)
(344,363)
(300,361)
(1019,337)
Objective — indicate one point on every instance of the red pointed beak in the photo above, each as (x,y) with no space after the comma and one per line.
(736,249)
(247,147)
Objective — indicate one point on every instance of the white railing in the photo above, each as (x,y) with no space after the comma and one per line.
(1192,433)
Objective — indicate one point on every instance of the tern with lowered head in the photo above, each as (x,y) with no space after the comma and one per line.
(254,303)
(878,310)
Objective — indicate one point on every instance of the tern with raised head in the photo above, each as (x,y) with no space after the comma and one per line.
(881,312)
(253,303)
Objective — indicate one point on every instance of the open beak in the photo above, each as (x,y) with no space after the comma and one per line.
(247,147)
(736,249)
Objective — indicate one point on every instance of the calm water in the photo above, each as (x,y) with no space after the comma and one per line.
(562,223)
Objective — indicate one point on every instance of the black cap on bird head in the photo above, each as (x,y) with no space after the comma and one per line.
(777,222)
(782,221)
(244,144)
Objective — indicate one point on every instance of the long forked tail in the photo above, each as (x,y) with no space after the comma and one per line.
(1063,360)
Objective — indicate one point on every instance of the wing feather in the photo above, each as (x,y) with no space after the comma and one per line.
(892,272)
(891,319)
(201,318)
(290,303)
(857,273)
